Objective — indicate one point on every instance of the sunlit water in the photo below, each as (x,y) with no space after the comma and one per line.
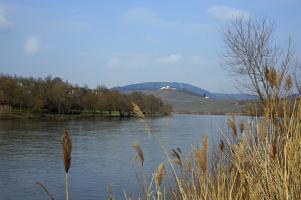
(31,151)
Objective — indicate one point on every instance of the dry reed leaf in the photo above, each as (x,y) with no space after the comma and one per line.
(274,149)
(176,153)
(262,129)
(45,190)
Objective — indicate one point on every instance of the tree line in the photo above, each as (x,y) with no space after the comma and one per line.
(53,95)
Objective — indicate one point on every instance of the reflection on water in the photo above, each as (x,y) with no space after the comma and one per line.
(31,151)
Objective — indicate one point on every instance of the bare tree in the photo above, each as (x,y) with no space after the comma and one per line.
(253,57)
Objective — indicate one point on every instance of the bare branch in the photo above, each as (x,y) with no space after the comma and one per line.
(251,53)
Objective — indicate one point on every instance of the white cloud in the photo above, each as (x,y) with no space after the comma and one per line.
(227,13)
(171,59)
(4,23)
(31,45)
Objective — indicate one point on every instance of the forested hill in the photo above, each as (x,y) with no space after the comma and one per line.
(56,96)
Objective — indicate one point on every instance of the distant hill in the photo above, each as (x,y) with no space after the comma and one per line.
(183,87)
(187,98)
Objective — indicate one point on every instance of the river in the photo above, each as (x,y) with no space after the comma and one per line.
(31,151)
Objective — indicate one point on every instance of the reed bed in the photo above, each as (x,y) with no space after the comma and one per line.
(257,159)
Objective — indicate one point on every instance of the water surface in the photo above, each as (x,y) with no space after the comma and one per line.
(31,151)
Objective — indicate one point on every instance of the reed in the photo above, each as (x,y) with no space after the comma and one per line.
(159,174)
(262,160)
(201,155)
(139,152)
(67,149)
(139,115)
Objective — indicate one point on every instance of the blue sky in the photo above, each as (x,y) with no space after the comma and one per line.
(122,42)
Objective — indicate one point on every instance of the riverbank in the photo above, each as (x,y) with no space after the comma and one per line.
(19,115)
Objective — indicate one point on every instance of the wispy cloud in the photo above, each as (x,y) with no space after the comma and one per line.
(146,16)
(143,15)
(4,22)
(129,62)
(181,59)
(227,13)
(142,61)
(68,25)
(31,45)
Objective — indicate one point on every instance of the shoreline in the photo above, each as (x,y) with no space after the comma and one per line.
(70,117)
(105,117)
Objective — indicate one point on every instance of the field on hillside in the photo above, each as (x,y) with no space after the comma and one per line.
(183,102)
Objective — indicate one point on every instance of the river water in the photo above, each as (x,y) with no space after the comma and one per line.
(31,151)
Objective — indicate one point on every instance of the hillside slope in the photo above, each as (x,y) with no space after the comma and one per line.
(187,103)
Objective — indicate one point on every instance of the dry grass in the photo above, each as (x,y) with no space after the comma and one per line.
(263,162)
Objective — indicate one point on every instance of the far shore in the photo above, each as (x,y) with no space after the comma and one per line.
(102,117)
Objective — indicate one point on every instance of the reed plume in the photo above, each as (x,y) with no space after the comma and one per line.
(67,148)
(139,115)
(221,145)
(241,126)
(201,155)
(271,76)
(232,126)
(110,191)
(140,155)
(160,174)
(137,111)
